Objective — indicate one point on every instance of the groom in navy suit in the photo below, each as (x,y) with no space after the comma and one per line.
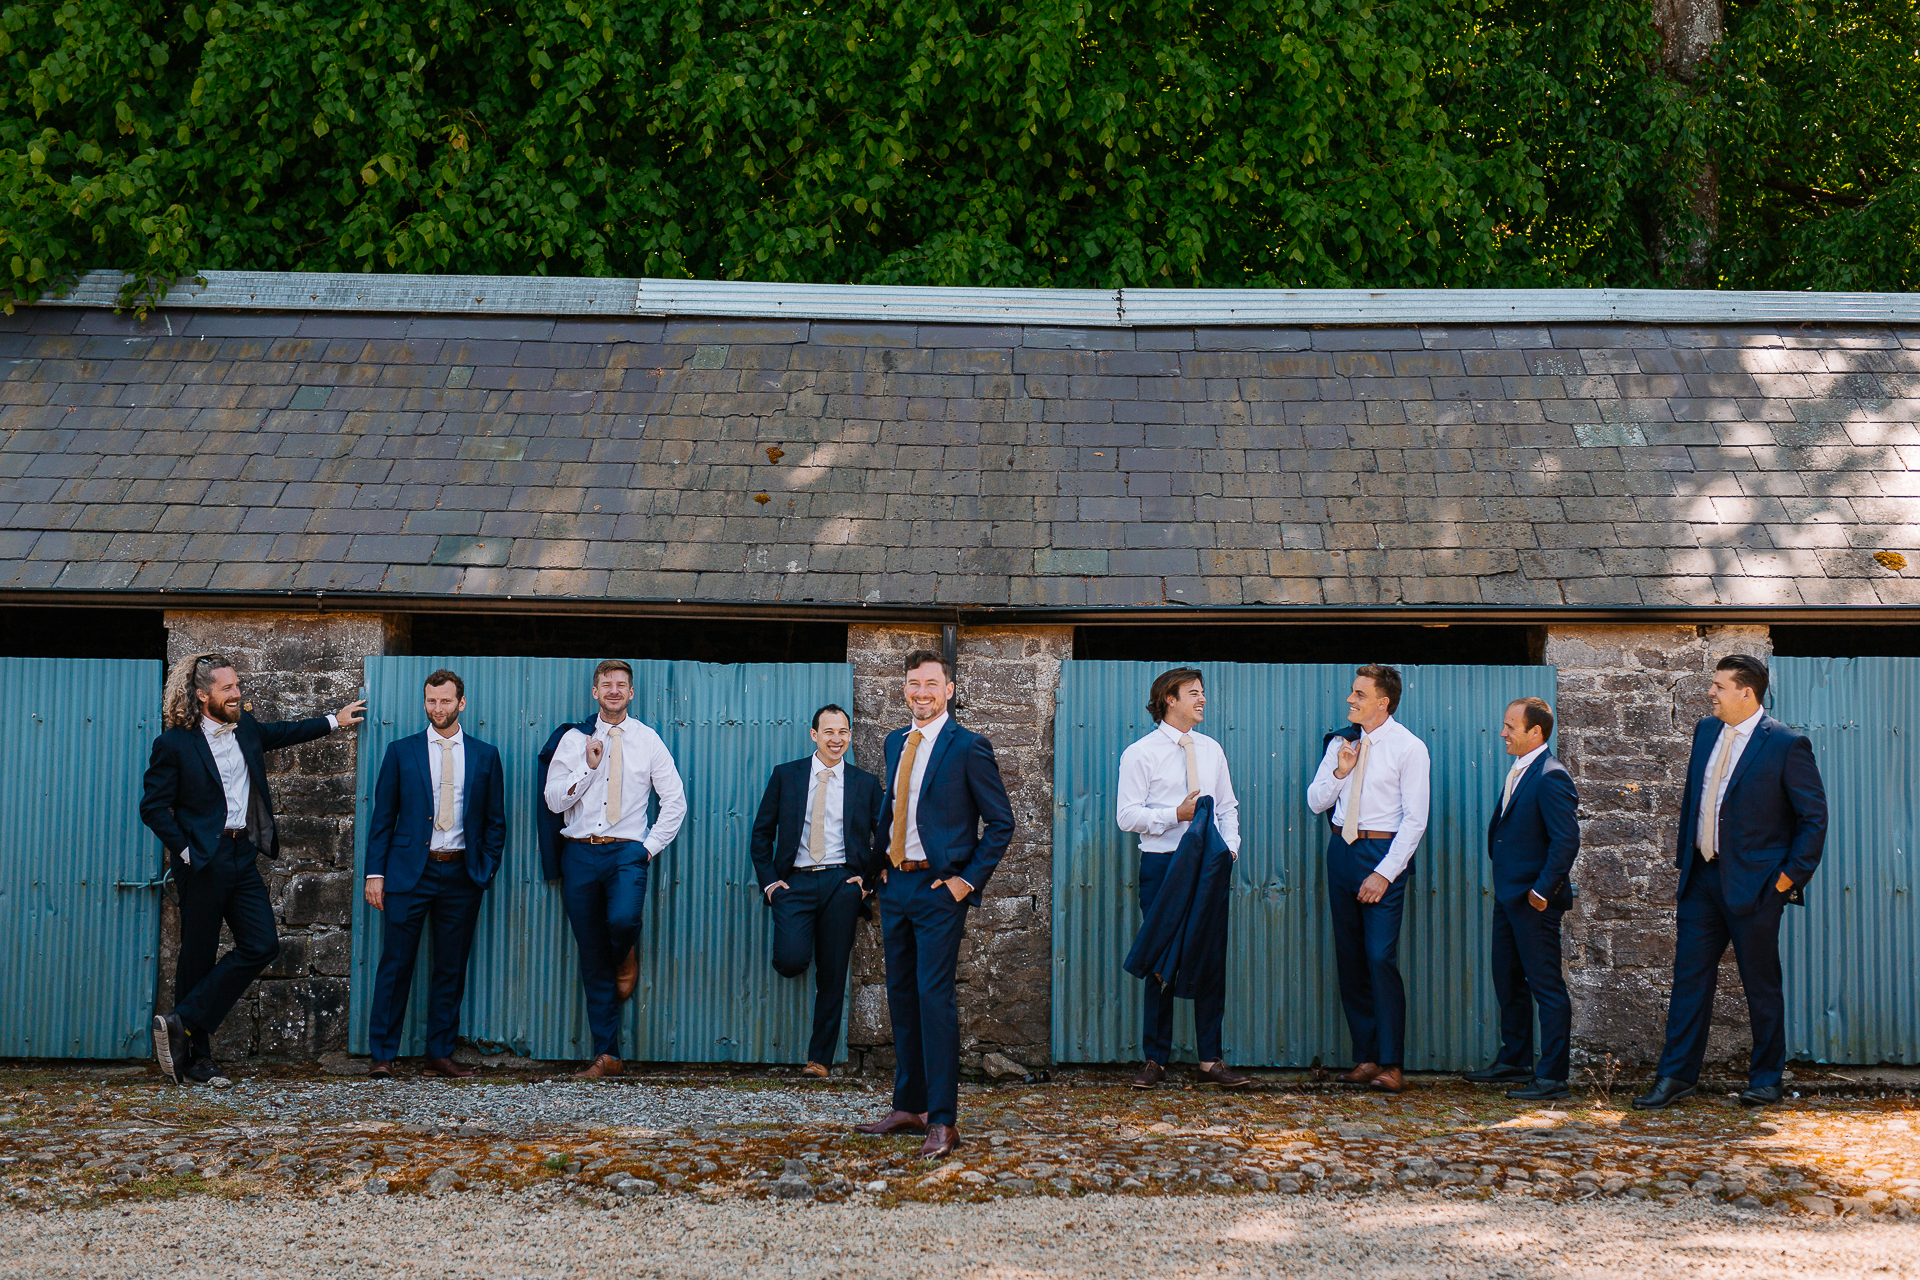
(1532,839)
(945,824)
(1753,823)
(439,829)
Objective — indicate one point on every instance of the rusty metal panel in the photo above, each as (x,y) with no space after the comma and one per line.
(1283,1006)
(79,897)
(707,992)
(1851,959)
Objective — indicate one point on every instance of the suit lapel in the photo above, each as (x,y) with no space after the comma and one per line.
(422,761)
(940,745)
(206,756)
(1758,736)
(472,758)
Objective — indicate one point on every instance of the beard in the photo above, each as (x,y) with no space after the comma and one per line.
(443,722)
(225,712)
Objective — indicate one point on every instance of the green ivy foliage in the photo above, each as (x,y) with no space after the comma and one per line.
(1295,143)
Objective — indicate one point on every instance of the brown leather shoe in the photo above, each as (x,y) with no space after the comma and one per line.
(814,1071)
(600,1068)
(627,976)
(449,1068)
(1151,1074)
(1223,1075)
(379,1070)
(896,1122)
(941,1140)
(1362,1074)
(1389,1081)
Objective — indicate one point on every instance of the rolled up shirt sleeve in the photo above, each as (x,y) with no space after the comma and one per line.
(568,773)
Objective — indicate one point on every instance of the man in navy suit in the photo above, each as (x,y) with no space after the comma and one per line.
(439,829)
(1753,823)
(813,853)
(945,824)
(207,799)
(1532,838)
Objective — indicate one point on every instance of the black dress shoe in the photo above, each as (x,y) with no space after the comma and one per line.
(1541,1091)
(1497,1074)
(170,1046)
(1666,1091)
(206,1071)
(1762,1095)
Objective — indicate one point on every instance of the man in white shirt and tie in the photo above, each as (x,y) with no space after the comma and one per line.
(603,773)
(1377,783)
(813,854)
(1162,777)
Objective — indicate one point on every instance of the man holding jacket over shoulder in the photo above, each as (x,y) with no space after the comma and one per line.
(207,799)
(438,832)
(1753,823)
(1532,839)
(813,854)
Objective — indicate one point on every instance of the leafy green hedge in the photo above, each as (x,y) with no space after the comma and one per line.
(1298,142)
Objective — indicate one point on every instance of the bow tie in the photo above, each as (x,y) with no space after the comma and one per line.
(223,729)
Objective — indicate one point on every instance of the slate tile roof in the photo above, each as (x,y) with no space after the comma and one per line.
(389,456)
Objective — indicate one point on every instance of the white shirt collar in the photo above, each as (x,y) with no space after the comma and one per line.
(433,735)
(821,766)
(210,726)
(1176,734)
(600,723)
(1747,726)
(1530,757)
(931,729)
(1385,725)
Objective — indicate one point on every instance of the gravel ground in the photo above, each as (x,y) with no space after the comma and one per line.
(531,1234)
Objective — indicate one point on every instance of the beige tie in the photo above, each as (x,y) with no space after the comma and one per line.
(902,783)
(817,823)
(1350,825)
(1193,763)
(1513,779)
(616,774)
(221,731)
(1710,803)
(443,818)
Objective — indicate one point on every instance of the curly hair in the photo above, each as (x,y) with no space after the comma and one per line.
(192,675)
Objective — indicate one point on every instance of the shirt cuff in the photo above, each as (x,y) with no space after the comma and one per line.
(186,857)
(376,877)
(963,880)
(333,722)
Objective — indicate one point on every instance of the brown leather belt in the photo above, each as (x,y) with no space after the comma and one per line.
(914,866)
(446,855)
(234,833)
(599,840)
(1372,835)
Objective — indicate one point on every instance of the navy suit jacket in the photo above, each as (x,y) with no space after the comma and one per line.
(782,821)
(965,820)
(547,825)
(404,803)
(184,803)
(1183,937)
(1773,820)
(1533,844)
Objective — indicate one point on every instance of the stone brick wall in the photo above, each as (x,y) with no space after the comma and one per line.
(1007,680)
(1629,698)
(292,666)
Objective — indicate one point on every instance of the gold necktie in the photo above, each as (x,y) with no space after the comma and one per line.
(902,783)
(817,824)
(1193,763)
(1710,803)
(443,817)
(1513,777)
(1350,825)
(616,773)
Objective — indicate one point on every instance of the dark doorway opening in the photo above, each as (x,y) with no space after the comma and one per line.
(1461,644)
(596,636)
(35,631)
(1846,642)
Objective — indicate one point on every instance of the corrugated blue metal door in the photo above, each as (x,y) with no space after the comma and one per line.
(1852,957)
(707,992)
(1283,1006)
(79,900)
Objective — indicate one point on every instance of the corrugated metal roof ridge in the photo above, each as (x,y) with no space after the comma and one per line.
(1094,308)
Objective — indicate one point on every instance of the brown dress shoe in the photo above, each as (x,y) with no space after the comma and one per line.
(627,976)
(449,1068)
(1389,1081)
(1223,1075)
(1362,1074)
(380,1070)
(601,1067)
(941,1140)
(814,1071)
(1151,1074)
(896,1122)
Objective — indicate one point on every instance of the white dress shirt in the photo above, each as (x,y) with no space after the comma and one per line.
(580,794)
(1153,785)
(929,732)
(232,767)
(1741,734)
(1515,770)
(1398,787)
(456,838)
(833,837)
